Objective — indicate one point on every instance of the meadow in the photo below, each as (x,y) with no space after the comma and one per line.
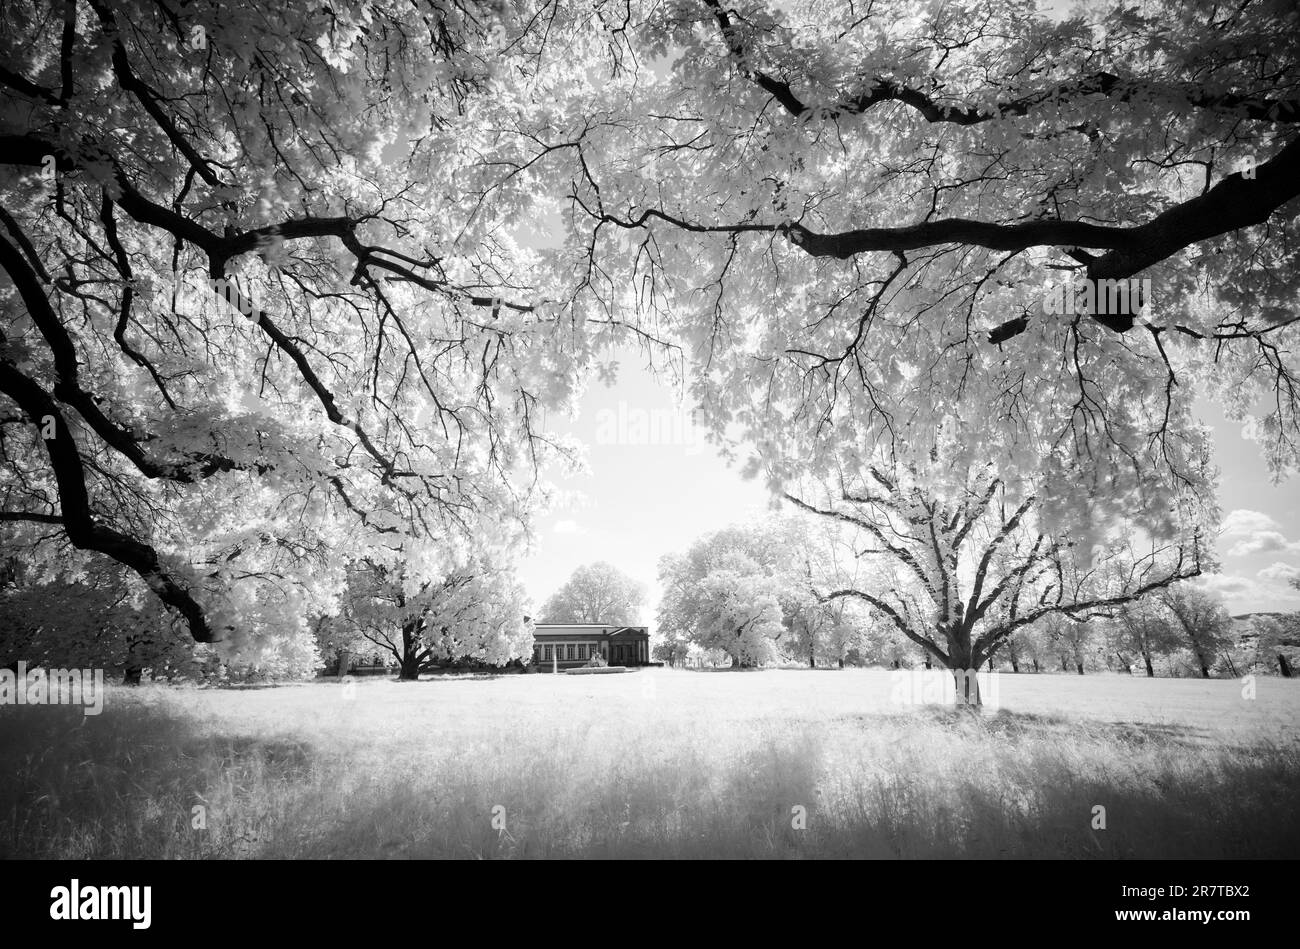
(659,763)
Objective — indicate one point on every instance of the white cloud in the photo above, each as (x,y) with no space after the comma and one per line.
(1271,591)
(1243,521)
(1264,542)
(1229,586)
(568,527)
(1280,572)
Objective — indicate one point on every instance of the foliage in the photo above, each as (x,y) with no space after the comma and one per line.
(258,312)
(476,613)
(284,292)
(971,568)
(597,593)
(856,219)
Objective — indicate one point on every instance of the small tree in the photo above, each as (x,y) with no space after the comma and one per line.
(1277,642)
(1204,621)
(1144,628)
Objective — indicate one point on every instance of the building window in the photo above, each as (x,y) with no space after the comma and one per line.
(582,651)
(537,653)
(548,652)
(568,651)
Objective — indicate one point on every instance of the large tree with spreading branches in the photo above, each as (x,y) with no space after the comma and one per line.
(971,569)
(256,307)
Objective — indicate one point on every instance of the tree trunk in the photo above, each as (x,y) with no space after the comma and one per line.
(409,663)
(964,665)
(841,662)
(1079,666)
(967,687)
(1036,669)
(134,664)
(1283,667)
(1146,658)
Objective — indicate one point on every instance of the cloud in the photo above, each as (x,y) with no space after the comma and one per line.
(1271,587)
(568,527)
(1280,572)
(1229,586)
(1243,521)
(1264,542)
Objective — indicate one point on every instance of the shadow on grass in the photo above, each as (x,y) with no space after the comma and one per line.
(125,784)
(1024,726)
(936,784)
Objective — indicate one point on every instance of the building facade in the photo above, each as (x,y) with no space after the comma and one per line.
(566,647)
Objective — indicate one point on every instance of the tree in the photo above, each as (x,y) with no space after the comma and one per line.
(728,592)
(975,567)
(92,618)
(1073,639)
(474,612)
(1144,628)
(1033,644)
(258,308)
(1277,641)
(266,300)
(1204,621)
(731,606)
(871,221)
(596,593)
(674,648)
(817,628)
(88,612)
(1280,636)
(828,631)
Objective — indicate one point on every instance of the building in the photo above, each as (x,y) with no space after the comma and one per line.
(566,647)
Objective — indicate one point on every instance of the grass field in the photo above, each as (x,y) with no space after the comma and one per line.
(659,763)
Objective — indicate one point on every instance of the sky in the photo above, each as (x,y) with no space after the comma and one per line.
(654,485)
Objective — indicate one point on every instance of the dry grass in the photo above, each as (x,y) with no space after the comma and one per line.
(658,764)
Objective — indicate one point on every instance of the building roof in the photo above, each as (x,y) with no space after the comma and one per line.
(585,629)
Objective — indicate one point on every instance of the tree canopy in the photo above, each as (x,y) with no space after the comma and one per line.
(596,593)
(284,288)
